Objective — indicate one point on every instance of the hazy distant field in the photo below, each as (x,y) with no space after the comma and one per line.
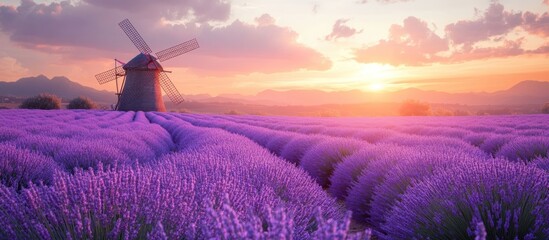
(104,174)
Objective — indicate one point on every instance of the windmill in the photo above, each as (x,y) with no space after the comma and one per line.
(143,76)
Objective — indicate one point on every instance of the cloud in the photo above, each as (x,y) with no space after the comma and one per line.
(507,49)
(236,48)
(265,20)
(412,43)
(340,30)
(199,10)
(11,69)
(243,48)
(59,25)
(536,24)
(494,22)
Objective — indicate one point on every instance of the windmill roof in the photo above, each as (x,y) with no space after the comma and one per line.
(143,62)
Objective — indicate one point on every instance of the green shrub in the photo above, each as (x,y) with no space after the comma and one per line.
(81,103)
(42,101)
(545,108)
(414,108)
(232,112)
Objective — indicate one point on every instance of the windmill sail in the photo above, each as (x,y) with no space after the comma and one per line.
(169,88)
(110,75)
(177,50)
(134,36)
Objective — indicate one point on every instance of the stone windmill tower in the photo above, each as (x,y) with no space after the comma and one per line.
(143,76)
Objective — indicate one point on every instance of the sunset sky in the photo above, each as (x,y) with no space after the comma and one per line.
(251,45)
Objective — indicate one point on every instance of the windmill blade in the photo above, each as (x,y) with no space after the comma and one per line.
(134,36)
(110,75)
(169,88)
(177,50)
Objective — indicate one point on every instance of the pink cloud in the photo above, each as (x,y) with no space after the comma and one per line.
(412,43)
(265,20)
(536,24)
(541,50)
(243,48)
(58,25)
(200,10)
(495,22)
(340,30)
(237,48)
(507,49)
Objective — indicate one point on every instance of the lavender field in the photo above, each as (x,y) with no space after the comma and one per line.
(134,175)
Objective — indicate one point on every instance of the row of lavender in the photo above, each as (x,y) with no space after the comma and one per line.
(166,179)
(487,133)
(409,185)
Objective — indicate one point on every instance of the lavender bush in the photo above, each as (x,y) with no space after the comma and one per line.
(373,135)
(46,145)
(347,172)
(525,148)
(18,167)
(321,160)
(89,154)
(410,170)
(493,143)
(510,199)
(361,192)
(296,148)
(10,134)
(542,163)
(277,143)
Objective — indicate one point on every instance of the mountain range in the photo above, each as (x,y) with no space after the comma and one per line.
(60,86)
(525,92)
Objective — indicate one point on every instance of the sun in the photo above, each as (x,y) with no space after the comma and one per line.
(376,87)
(374,77)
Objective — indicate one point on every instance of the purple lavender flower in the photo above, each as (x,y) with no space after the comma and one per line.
(46,145)
(89,154)
(509,198)
(348,171)
(415,166)
(279,141)
(321,160)
(361,191)
(293,151)
(18,167)
(525,148)
(10,134)
(493,143)
(542,163)
(480,232)
(373,135)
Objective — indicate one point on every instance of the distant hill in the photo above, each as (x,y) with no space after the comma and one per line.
(60,86)
(525,92)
